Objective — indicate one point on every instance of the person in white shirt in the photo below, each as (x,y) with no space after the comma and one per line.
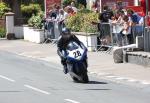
(61,19)
(126,32)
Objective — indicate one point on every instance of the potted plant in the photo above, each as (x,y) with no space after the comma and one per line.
(81,25)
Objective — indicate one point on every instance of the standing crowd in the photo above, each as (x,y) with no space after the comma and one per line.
(57,17)
(122,23)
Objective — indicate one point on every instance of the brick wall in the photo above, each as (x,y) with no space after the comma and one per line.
(2,22)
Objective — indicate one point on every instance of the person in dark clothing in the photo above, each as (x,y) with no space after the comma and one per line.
(51,21)
(63,41)
(104,27)
(105,15)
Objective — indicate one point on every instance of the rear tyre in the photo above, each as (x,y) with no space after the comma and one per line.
(75,79)
(85,78)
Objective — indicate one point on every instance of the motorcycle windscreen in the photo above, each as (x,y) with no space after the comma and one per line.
(75,51)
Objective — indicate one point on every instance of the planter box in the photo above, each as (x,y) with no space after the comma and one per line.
(33,35)
(88,39)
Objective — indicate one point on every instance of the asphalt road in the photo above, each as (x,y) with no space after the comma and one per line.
(26,80)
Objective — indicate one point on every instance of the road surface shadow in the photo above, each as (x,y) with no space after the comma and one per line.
(97,89)
(9,91)
(96,82)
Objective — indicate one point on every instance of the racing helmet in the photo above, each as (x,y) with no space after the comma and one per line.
(66,31)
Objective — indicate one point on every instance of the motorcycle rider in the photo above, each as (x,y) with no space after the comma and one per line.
(63,41)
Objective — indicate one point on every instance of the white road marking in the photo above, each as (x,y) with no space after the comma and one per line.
(102,74)
(72,101)
(11,80)
(93,73)
(121,78)
(36,89)
(111,76)
(132,80)
(145,82)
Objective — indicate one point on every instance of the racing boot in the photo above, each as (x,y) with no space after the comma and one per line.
(65,70)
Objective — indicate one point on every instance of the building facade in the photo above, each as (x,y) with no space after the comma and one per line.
(111,3)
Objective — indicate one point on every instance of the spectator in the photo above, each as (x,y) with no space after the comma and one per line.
(113,21)
(126,32)
(50,23)
(148,19)
(134,17)
(70,11)
(51,20)
(137,24)
(104,27)
(105,15)
(121,14)
(118,26)
(61,19)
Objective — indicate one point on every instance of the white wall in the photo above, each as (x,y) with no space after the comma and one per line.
(89,41)
(18,30)
(29,34)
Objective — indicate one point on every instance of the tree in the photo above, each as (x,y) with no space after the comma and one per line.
(27,2)
(15,5)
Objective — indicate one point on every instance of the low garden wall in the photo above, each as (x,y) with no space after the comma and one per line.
(29,34)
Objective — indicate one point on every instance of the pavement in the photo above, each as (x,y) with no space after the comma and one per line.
(100,64)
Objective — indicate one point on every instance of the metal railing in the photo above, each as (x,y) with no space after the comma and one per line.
(137,30)
(105,37)
(109,35)
(51,32)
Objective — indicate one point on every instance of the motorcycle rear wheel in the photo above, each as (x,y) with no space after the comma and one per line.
(85,78)
(75,79)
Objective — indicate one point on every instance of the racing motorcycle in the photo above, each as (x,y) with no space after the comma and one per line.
(76,59)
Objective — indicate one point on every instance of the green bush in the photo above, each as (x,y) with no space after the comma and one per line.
(28,10)
(82,22)
(36,20)
(3,9)
(85,11)
(74,22)
(2,32)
